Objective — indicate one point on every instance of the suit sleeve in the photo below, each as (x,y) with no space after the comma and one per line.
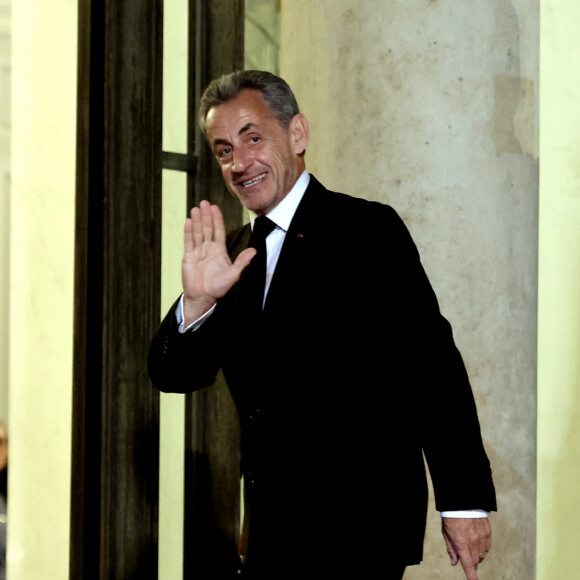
(185,362)
(447,420)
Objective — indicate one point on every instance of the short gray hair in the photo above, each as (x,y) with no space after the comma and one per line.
(275,90)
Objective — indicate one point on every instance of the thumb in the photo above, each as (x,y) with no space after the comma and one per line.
(243,260)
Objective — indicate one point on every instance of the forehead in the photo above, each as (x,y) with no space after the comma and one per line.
(248,107)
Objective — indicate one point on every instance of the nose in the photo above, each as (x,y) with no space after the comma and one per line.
(242,159)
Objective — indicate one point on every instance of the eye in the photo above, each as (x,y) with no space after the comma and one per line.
(224,152)
(255,139)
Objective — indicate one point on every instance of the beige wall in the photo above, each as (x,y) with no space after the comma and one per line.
(432,107)
(41,286)
(559,294)
(5,64)
(172,406)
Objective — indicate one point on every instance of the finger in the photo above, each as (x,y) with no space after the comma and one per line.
(219,230)
(470,572)
(485,541)
(206,221)
(243,260)
(451,551)
(188,236)
(469,564)
(196,232)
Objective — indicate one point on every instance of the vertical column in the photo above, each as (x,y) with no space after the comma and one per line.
(42,212)
(5,74)
(559,303)
(118,221)
(432,107)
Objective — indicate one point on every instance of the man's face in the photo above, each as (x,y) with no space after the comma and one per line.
(260,161)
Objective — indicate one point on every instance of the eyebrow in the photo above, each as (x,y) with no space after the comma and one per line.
(247,127)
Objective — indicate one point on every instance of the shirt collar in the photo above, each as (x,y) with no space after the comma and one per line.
(283,213)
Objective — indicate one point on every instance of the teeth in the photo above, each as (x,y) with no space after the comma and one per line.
(254,180)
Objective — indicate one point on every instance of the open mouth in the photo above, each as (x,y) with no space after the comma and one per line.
(254,180)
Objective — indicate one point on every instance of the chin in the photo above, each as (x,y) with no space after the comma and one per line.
(258,206)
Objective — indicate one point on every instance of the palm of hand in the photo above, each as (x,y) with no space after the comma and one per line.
(208,271)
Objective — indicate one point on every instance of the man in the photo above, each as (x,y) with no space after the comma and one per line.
(342,368)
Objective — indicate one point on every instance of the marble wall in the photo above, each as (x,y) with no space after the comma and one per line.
(431,106)
(262,35)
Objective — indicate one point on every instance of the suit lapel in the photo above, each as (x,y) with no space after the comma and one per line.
(301,245)
(304,242)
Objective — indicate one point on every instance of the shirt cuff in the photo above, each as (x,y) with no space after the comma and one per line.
(195,324)
(465,514)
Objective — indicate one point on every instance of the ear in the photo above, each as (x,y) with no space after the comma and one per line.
(299,133)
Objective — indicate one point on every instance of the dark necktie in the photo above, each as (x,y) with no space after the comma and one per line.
(255,279)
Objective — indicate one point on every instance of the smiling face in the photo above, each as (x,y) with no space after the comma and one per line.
(259,159)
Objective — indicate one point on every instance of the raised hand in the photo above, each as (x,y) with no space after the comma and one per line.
(207,272)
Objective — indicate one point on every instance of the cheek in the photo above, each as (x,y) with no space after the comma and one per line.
(280,164)
(275,154)
(226,173)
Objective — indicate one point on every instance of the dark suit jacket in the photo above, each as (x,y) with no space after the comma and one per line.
(341,386)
